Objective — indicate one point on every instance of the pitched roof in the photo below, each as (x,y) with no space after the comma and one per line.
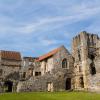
(10,55)
(51,53)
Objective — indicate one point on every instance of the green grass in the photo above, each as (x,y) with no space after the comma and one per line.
(50,96)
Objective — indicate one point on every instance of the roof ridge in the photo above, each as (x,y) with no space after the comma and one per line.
(51,53)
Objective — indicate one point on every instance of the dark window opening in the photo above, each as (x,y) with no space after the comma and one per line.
(8,86)
(81,82)
(79,56)
(92,69)
(92,57)
(64,63)
(1,71)
(68,84)
(24,75)
(37,73)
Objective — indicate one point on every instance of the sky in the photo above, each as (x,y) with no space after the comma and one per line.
(35,27)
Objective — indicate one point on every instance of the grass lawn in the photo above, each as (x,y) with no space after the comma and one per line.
(50,96)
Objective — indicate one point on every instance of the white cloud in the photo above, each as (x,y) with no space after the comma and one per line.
(22,32)
(42,23)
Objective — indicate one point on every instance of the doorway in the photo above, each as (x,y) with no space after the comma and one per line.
(81,82)
(68,84)
(8,86)
(50,87)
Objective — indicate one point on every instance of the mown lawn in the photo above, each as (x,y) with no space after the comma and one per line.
(50,96)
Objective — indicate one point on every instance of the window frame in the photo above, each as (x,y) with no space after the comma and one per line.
(65,64)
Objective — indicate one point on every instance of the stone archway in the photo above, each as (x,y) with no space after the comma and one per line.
(68,84)
(8,86)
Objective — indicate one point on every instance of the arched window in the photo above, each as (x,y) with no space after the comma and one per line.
(64,63)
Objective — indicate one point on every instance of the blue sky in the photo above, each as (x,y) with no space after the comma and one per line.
(35,27)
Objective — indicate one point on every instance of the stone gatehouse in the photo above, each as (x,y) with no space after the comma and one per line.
(58,70)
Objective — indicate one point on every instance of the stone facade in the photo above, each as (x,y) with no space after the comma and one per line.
(28,65)
(57,70)
(10,64)
(86,52)
(54,73)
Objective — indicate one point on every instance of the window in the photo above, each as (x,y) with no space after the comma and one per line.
(92,57)
(64,63)
(1,71)
(92,69)
(79,56)
(37,73)
(24,75)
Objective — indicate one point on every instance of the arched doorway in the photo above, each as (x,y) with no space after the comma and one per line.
(8,86)
(68,84)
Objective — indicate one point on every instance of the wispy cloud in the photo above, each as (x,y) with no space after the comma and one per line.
(43,24)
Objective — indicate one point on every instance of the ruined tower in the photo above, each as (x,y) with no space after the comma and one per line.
(86,53)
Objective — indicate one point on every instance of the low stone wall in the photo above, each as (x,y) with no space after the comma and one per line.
(40,83)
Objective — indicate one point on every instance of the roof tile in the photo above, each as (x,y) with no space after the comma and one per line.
(51,53)
(10,55)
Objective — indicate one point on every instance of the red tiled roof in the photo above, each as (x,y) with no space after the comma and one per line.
(10,55)
(51,53)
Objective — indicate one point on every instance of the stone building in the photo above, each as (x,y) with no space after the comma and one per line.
(53,74)
(86,53)
(28,64)
(58,70)
(10,64)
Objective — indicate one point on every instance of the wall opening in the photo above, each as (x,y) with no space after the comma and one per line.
(79,55)
(81,82)
(37,73)
(92,65)
(92,57)
(24,75)
(68,84)
(8,86)
(50,87)
(1,72)
(64,63)
(92,69)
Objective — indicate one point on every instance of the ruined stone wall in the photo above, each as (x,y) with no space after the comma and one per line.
(35,84)
(84,51)
(7,70)
(56,77)
(9,67)
(63,73)
(47,65)
(10,62)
